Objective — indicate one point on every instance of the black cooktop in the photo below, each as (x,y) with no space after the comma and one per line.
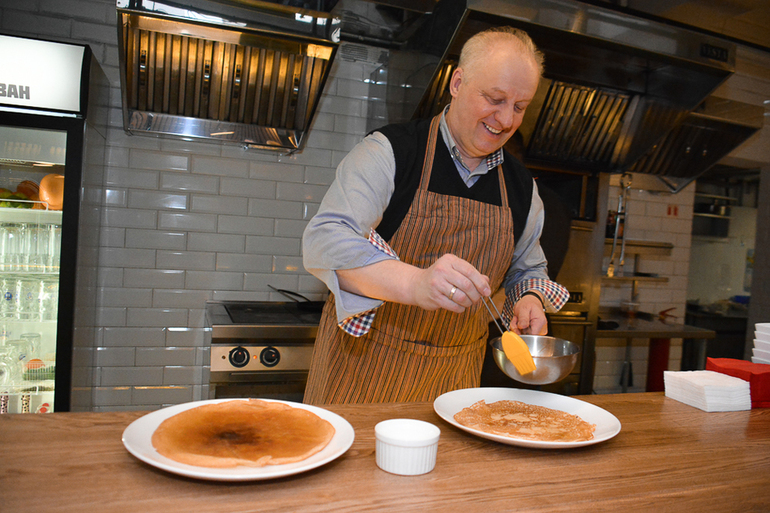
(271,312)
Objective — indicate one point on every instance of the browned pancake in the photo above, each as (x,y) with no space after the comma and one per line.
(254,433)
(516,419)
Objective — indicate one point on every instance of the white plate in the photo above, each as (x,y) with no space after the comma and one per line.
(763,327)
(762,344)
(137,438)
(764,355)
(755,359)
(607,425)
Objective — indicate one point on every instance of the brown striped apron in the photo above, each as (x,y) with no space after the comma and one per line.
(411,354)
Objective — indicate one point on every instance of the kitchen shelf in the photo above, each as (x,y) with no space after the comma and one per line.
(640,247)
(634,278)
(637,248)
(715,196)
(711,238)
(713,216)
(634,281)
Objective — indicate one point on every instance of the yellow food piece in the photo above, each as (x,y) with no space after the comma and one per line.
(517,352)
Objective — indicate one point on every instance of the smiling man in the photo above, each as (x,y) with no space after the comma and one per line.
(423,220)
(491,89)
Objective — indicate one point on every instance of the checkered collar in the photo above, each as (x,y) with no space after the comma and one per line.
(493,159)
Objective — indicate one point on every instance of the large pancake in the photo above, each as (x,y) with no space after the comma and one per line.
(516,419)
(254,433)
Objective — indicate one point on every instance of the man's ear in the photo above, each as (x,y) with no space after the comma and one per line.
(455,81)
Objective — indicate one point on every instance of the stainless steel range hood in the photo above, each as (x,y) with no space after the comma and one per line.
(239,71)
(708,133)
(614,88)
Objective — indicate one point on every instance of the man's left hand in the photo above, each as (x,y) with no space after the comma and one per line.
(529,317)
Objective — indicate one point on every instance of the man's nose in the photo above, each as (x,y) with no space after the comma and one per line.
(506,116)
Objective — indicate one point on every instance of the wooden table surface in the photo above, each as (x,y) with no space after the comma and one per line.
(667,457)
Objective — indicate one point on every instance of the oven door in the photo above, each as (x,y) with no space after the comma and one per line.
(286,386)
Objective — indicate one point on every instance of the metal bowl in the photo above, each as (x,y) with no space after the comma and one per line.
(554,358)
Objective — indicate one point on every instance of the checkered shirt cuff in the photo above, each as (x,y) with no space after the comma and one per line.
(359,324)
(555,296)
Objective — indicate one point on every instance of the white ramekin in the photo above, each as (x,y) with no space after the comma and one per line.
(405,446)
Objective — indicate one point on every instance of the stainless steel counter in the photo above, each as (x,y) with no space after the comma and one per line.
(649,326)
(641,327)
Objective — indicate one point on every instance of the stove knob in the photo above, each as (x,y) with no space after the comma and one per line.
(239,357)
(270,357)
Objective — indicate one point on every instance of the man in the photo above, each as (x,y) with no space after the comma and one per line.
(422,220)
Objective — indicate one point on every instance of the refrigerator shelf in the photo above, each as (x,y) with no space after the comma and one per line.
(27,398)
(32,274)
(28,215)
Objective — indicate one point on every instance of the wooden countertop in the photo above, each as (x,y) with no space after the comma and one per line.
(667,457)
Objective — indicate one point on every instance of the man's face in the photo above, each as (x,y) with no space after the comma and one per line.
(489,100)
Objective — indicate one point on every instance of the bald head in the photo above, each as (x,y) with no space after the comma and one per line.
(477,48)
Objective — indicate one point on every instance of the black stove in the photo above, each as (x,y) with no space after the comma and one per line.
(265,312)
(263,319)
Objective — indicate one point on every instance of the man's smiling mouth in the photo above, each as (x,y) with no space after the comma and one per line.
(496,132)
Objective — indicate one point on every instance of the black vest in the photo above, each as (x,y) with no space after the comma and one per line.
(409,141)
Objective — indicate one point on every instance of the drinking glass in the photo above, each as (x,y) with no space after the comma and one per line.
(33,342)
(8,300)
(5,243)
(28,247)
(54,248)
(27,299)
(49,298)
(7,367)
(47,251)
(20,240)
(36,247)
(10,247)
(21,353)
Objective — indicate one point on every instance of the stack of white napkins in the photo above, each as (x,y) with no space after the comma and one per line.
(708,390)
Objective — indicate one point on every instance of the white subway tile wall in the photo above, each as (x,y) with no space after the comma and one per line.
(650,219)
(186,222)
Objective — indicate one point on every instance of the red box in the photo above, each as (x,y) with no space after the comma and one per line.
(757,374)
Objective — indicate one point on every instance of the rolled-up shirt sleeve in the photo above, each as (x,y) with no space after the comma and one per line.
(337,236)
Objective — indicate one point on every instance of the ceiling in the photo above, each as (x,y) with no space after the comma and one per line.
(744,21)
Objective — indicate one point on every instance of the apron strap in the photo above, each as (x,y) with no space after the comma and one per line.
(503,189)
(430,151)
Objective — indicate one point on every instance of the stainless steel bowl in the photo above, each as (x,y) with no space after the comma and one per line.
(554,358)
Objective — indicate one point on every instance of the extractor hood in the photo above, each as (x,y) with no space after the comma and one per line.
(708,133)
(239,71)
(614,86)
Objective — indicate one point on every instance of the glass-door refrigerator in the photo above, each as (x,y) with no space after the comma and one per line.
(53,99)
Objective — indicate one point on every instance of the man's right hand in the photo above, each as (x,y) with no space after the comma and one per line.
(450,283)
